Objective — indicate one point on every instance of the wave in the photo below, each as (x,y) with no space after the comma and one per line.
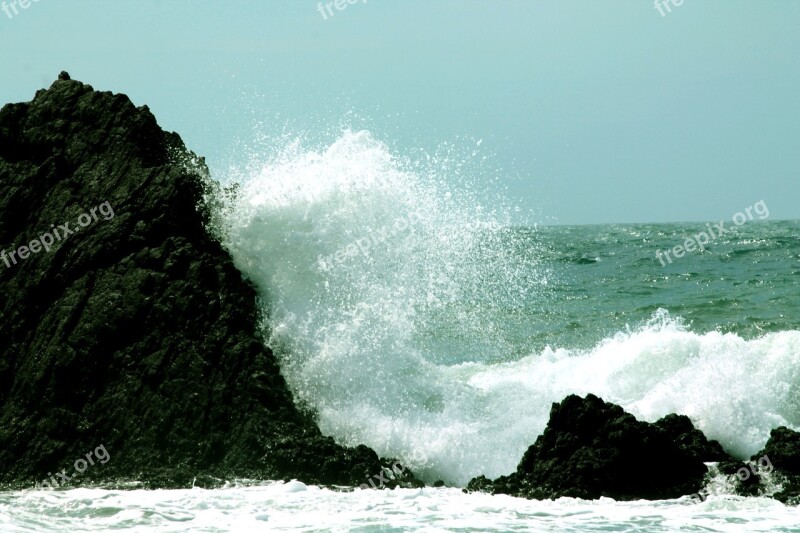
(388,283)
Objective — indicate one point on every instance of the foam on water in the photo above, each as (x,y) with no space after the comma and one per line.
(281,507)
(385,280)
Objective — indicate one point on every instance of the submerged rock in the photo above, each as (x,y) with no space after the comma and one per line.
(124,323)
(591,448)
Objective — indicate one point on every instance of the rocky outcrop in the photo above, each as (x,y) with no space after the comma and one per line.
(781,458)
(591,448)
(123,322)
(773,472)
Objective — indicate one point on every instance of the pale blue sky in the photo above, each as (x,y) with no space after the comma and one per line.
(595,111)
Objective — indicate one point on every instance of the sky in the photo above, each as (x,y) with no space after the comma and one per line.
(589,112)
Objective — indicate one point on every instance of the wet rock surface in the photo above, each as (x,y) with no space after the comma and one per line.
(591,448)
(134,331)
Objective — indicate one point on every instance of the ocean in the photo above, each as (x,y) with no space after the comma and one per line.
(416,317)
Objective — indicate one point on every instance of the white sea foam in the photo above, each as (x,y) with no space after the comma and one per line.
(376,343)
(278,507)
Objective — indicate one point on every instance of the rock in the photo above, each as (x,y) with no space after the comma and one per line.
(480,484)
(783,450)
(591,448)
(690,439)
(781,455)
(135,332)
(743,477)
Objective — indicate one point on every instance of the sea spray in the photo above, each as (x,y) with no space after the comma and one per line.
(412,347)
(360,341)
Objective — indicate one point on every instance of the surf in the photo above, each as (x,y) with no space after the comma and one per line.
(409,345)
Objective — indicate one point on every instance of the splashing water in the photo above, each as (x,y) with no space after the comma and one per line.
(389,289)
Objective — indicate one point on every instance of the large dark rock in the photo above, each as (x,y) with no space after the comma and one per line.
(591,448)
(135,333)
